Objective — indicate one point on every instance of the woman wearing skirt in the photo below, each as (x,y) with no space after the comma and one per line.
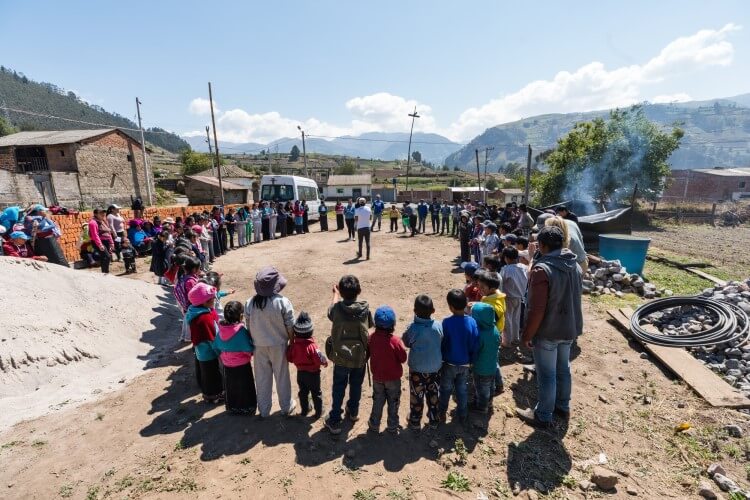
(235,348)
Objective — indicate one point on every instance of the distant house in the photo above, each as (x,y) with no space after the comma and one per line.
(75,168)
(233,174)
(471,192)
(708,185)
(343,187)
(509,195)
(201,190)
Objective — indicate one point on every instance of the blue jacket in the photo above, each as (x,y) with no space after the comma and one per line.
(378,206)
(445,210)
(424,339)
(489,339)
(422,209)
(136,236)
(349,211)
(460,344)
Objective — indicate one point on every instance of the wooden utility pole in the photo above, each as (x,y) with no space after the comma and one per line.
(145,158)
(216,143)
(486,154)
(210,152)
(479,176)
(413,116)
(528,178)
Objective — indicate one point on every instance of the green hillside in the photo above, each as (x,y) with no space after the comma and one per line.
(717,133)
(19,92)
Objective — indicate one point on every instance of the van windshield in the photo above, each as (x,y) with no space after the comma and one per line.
(277,192)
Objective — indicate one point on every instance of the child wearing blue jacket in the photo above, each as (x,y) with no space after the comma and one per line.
(424,339)
(460,346)
(485,365)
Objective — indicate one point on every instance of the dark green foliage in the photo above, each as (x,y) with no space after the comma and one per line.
(416,156)
(194,162)
(294,153)
(6,128)
(18,92)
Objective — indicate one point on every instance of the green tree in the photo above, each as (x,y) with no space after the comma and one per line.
(445,168)
(416,156)
(194,162)
(491,184)
(294,153)
(602,160)
(348,167)
(6,128)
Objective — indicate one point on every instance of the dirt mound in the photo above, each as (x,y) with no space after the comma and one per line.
(69,334)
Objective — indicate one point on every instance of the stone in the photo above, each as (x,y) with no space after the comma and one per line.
(603,399)
(585,485)
(734,430)
(736,374)
(649,294)
(617,277)
(604,478)
(631,491)
(732,364)
(644,355)
(532,495)
(706,491)
(725,483)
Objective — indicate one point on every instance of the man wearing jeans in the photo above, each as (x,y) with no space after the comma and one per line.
(362,220)
(377,212)
(553,321)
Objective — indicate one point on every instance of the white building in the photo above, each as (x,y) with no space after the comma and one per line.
(343,187)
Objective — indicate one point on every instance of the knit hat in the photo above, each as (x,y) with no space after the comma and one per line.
(269,281)
(201,293)
(303,325)
(385,317)
(19,235)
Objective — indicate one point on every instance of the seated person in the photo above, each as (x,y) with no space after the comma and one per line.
(139,240)
(18,246)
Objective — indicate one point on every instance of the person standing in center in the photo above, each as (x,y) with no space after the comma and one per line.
(422,209)
(362,216)
(323,213)
(339,209)
(377,212)
(349,217)
(269,318)
(435,215)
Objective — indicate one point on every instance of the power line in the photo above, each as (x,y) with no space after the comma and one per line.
(395,141)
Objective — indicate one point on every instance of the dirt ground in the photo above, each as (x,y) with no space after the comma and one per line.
(154,438)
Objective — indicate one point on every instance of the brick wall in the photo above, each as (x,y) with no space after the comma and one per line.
(106,175)
(17,188)
(70,225)
(689,185)
(7,159)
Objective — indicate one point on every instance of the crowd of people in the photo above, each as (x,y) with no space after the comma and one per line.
(31,234)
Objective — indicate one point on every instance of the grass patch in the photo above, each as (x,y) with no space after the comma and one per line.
(179,446)
(66,491)
(609,301)
(364,495)
(398,495)
(92,493)
(461,452)
(455,481)
(10,444)
(38,443)
(123,484)
(181,485)
(569,481)
(679,281)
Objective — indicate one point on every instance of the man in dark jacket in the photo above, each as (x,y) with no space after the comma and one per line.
(554,319)
(563,212)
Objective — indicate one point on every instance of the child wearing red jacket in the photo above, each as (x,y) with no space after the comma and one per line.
(305,355)
(203,321)
(387,354)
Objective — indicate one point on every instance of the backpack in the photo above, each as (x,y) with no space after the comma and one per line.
(347,345)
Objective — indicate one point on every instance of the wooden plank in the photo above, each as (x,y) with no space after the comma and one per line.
(700,378)
(706,276)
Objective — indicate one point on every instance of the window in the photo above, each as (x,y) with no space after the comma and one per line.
(742,185)
(130,157)
(278,192)
(339,190)
(31,159)
(62,153)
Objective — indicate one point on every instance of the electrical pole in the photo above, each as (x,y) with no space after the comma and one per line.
(216,143)
(210,152)
(304,150)
(528,178)
(145,158)
(414,116)
(486,154)
(479,177)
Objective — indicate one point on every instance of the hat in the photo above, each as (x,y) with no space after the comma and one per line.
(269,281)
(197,229)
(511,237)
(169,220)
(303,325)
(115,206)
(491,225)
(541,220)
(19,235)
(39,208)
(470,268)
(385,317)
(201,293)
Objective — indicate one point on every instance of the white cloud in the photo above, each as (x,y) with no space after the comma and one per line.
(591,86)
(201,107)
(667,98)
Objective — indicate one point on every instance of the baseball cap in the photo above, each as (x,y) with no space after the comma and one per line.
(511,237)
(385,317)
(470,268)
(540,221)
(19,235)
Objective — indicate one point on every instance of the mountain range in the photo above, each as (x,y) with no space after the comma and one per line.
(717,134)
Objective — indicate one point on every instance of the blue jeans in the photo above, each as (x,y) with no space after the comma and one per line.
(353,377)
(451,377)
(484,386)
(552,361)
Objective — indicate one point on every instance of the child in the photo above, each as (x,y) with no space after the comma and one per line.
(489,285)
(347,348)
(394,214)
(387,354)
(235,348)
(522,245)
(459,346)
(491,263)
(304,354)
(489,242)
(203,320)
(423,338)
(515,279)
(159,261)
(128,256)
(464,236)
(485,366)
(214,279)
(185,283)
(471,290)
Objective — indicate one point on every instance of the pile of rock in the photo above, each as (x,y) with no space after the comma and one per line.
(611,277)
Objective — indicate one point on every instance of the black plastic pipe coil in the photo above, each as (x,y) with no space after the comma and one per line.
(732,323)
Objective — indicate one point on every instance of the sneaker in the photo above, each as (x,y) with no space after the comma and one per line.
(393,430)
(352,418)
(291,409)
(334,429)
(415,426)
(372,427)
(528,415)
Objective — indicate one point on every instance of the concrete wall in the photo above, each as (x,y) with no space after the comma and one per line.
(332,192)
(689,185)
(200,193)
(17,189)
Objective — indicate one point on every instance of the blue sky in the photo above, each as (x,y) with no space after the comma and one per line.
(352,67)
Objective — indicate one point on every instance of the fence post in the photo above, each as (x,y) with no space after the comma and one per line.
(679,215)
(713,215)
(653,209)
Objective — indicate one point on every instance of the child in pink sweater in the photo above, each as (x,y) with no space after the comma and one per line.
(235,348)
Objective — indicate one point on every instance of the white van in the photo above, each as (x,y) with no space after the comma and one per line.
(290,188)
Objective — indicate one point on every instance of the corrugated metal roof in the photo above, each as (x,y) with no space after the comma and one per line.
(725,172)
(227,171)
(350,180)
(468,189)
(213,181)
(51,137)
(511,191)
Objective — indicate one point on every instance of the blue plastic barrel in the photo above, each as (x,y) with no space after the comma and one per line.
(629,250)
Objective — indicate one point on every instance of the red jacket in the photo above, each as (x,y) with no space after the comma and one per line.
(203,327)
(387,354)
(303,353)
(24,251)
(472,293)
